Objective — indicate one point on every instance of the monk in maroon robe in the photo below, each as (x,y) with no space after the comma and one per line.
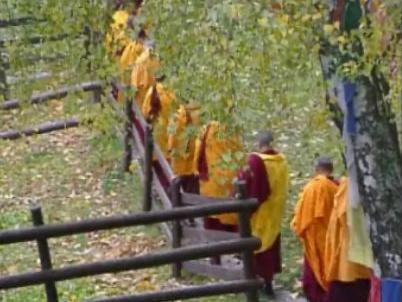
(268,262)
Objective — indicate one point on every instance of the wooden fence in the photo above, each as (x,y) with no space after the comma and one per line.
(179,254)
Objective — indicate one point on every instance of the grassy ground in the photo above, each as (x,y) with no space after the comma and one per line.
(73,175)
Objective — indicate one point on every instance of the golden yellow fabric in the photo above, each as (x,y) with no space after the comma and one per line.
(181,144)
(310,223)
(161,121)
(338,266)
(130,55)
(143,74)
(360,248)
(116,38)
(220,182)
(266,221)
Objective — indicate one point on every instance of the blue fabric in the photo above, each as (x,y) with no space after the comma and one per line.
(349,93)
(391,290)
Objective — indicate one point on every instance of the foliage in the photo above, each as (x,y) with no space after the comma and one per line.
(76,57)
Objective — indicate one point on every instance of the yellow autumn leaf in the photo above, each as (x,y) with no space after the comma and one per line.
(328,28)
(317,16)
(306,18)
(285,19)
(342,40)
(133,167)
(337,25)
(263,22)
(145,286)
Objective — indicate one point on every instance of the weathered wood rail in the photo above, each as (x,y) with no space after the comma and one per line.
(18,21)
(90,87)
(95,86)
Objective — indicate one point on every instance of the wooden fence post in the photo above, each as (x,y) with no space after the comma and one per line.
(97,96)
(44,255)
(148,175)
(4,89)
(245,232)
(128,134)
(177,232)
(87,47)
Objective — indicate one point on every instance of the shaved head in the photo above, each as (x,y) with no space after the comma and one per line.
(324,164)
(265,139)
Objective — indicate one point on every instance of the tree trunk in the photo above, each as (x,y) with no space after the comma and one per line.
(379,175)
(377,170)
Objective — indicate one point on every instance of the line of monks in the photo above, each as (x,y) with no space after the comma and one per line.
(206,158)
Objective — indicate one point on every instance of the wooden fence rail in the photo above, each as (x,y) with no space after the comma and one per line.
(60,93)
(18,22)
(40,129)
(36,40)
(95,87)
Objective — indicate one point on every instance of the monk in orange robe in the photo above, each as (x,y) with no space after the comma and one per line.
(216,150)
(182,145)
(348,281)
(116,38)
(266,178)
(127,60)
(156,109)
(310,224)
(143,75)
(130,55)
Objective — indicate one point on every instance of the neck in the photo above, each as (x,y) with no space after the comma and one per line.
(266,149)
(323,173)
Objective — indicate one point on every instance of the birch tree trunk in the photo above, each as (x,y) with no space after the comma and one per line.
(374,148)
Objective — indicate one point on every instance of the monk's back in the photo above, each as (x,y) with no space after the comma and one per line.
(310,223)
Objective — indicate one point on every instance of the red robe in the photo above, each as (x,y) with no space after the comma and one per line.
(268,263)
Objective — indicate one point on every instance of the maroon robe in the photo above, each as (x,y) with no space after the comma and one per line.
(311,288)
(211,223)
(357,291)
(190,184)
(268,263)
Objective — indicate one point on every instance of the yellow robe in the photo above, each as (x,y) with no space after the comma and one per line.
(143,74)
(338,266)
(220,176)
(266,221)
(130,55)
(181,143)
(161,121)
(116,38)
(310,223)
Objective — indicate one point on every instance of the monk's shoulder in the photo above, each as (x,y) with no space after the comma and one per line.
(312,184)
(254,157)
